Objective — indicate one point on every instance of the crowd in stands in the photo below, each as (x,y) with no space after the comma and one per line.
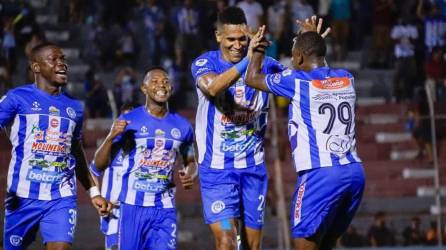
(379,234)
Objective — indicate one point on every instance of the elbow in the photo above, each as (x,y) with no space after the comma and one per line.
(212,92)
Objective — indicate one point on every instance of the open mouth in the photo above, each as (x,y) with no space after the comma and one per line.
(161,93)
(61,72)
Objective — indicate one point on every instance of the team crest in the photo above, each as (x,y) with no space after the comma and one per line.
(217,206)
(175,133)
(287,72)
(16,240)
(71,113)
(201,62)
(276,78)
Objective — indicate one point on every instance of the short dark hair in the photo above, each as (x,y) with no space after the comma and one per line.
(231,15)
(311,44)
(39,48)
(156,67)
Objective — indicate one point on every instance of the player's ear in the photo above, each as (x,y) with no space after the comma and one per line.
(218,35)
(143,88)
(35,67)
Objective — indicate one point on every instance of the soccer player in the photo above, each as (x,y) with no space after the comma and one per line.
(45,135)
(111,187)
(230,129)
(150,137)
(321,131)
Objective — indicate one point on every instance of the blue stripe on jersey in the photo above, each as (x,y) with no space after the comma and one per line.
(229,156)
(250,161)
(35,186)
(125,177)
(209,134)
(306,116)
(18,153)
(334,160)
(109,183)
(350,157)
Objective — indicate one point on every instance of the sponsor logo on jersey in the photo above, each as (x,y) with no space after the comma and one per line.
(71,113)
(154,163)
(201,70)
(150,187)
(239,93)
(16,240)
(331,83)
(298,207)
(239,118)
(234,134)
(36,106)
(42,176)
(175,133)
(54,123)
(287,72)
(323,97)
(339,145)
(217,206)
(159,133)
(201,62)
(234,146)
(42,163)
(48,148)
(53,111)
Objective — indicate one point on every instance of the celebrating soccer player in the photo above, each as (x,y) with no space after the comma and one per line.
(230,129)
(150,137)
(45,135)
(110,190)
(321,131)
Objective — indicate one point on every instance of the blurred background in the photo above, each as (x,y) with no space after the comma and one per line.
(394,48)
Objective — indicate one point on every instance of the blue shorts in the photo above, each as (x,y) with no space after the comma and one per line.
(147,228)
(225,193)
(23,217)
(325,200)
(111,240)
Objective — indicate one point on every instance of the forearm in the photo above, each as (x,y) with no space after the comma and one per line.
(82,173)
(254,76)
(103,154)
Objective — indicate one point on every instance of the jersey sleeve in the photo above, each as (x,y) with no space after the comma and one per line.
(77,134)
(8,109)
(187,148)
(281,84)
(96,172)
(201,66)
(273,66)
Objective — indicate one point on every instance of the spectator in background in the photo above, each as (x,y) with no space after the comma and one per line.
(340,12)
(351,238)
(5,78)
(124,87)
(253,12)
(300,10)
(36,39)
(434,25)
(97,103)
(404,35)
(435,68)
(412,235)
(382,21)
(154,22)
(9,45)
(126,53)
(188,42)
(379,234)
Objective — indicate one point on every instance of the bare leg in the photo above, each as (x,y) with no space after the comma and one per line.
(58,246)
(225,233)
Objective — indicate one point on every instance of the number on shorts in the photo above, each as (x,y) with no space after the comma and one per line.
(72,220)
(262,203)
(174,230)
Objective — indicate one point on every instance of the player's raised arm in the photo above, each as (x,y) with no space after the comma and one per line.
(103,154)
(254,76)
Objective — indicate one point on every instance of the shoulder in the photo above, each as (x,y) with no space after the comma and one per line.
(181,120)
(134,114)
(341,73)
(21,90)
(205,58)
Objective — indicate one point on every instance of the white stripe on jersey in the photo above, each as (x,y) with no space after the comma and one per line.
(201,125)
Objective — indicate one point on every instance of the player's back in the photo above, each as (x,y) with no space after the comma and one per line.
(322,115)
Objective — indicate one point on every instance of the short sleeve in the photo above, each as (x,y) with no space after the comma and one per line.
(77,134)
(273,66)
(281,84)
(201,66)
(8,109)
(189,137)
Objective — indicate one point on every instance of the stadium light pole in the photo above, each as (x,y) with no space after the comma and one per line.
(283,235)
(430,101)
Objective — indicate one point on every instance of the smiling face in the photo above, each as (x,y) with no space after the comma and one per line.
(50,67)
(233,41)
(156,86)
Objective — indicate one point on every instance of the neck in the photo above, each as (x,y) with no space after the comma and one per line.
(47,87)
(158,110)
(315,63)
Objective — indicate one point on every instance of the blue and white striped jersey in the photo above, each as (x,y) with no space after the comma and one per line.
(150,147)
(230,128)
(43,127)
(110,190)
(321,125)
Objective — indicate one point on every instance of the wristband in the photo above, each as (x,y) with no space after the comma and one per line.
(93,191)
(242,65)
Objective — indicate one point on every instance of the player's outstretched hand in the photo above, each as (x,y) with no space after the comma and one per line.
(117,128)
(313,24)
(258,41)
(187,176)
(103,206)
